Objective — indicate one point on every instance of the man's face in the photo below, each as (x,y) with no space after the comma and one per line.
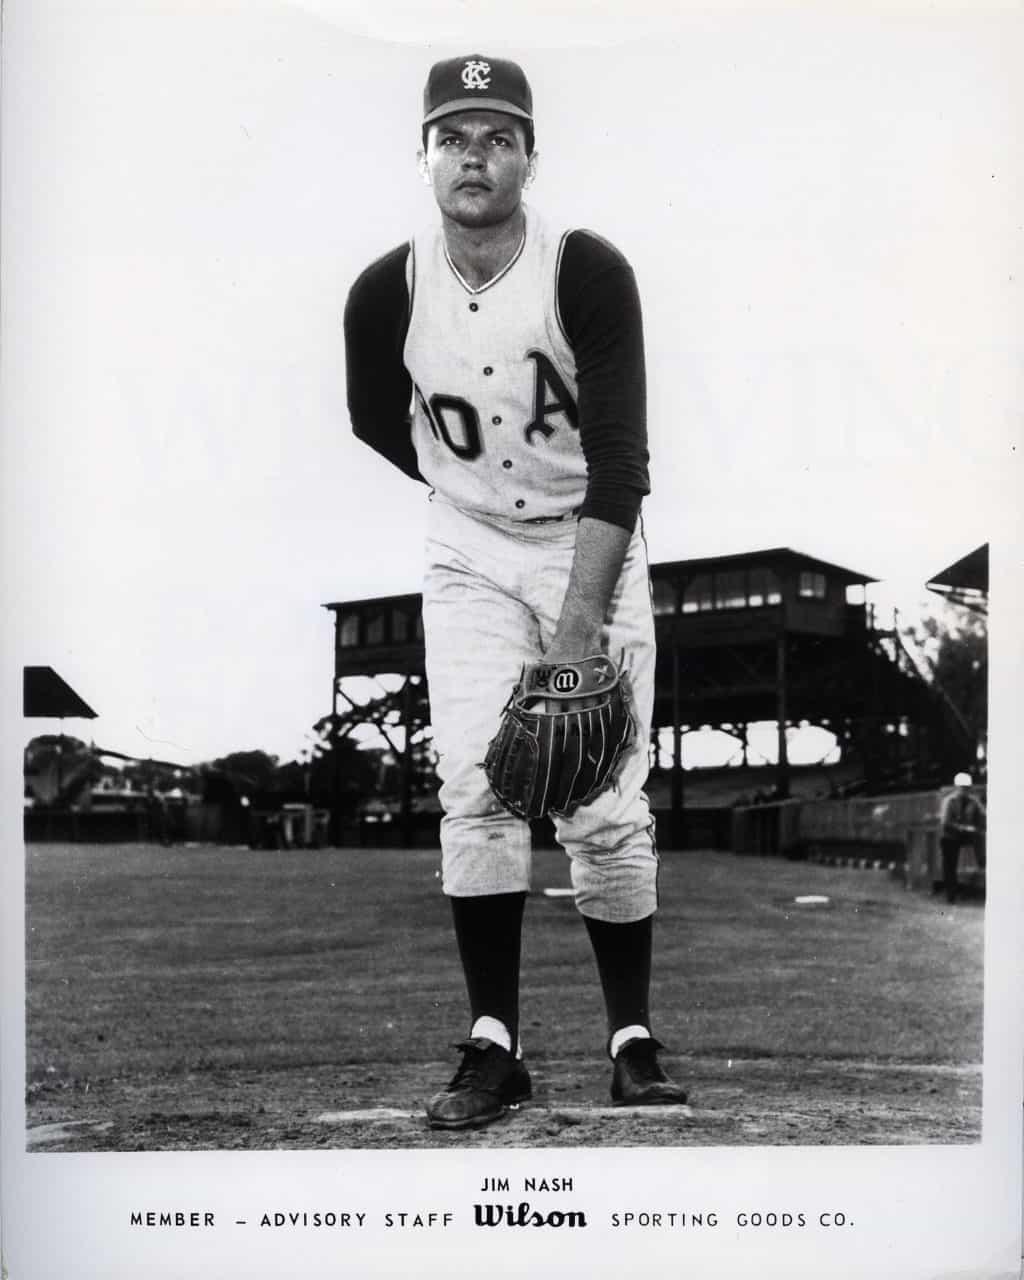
(476,162)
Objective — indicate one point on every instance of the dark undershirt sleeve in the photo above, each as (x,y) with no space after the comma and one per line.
(600,312)
(379,386)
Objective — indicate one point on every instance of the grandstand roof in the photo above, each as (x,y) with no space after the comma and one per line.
(969,573)
(769,556)
(47,696)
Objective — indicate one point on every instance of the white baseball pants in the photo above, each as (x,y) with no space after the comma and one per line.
(492,595)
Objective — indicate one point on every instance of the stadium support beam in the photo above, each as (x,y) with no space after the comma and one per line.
(405,797)
(781,712)
(678,822)
(336,736)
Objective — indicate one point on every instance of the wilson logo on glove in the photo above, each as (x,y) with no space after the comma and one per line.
(562,737)
(565,680)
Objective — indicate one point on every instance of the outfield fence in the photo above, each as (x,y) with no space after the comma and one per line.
(901,830)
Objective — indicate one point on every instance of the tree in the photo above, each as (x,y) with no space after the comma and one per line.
(952,644)
(58,769)
(256,768)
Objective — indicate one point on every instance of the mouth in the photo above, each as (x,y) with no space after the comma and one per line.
(472,185)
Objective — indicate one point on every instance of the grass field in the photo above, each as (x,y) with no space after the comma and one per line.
(210,998)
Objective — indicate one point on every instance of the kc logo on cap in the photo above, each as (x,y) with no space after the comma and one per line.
(476,74)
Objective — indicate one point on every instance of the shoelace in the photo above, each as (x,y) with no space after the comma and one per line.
(468,1072)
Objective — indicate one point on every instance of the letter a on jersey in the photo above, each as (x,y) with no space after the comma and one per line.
(548,382)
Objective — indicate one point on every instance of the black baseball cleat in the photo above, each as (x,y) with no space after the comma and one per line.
(489,1081)
(639,1081)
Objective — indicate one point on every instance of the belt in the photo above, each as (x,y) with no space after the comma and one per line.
(568,515)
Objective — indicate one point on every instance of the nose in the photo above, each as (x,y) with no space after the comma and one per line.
(473,157)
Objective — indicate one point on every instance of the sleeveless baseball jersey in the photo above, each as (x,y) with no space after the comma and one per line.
(524,398)
(495,424)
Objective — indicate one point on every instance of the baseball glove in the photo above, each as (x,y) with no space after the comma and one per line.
(562,737)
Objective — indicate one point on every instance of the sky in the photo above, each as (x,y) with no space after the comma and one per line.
(820,210)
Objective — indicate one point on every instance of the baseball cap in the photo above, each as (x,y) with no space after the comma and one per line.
(962,780)
(474,82)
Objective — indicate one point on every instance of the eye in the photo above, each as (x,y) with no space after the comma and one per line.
(500,140)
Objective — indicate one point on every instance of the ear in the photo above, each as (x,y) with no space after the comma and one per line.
(421,165)
(531,170)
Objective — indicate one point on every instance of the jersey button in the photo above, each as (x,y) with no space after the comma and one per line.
(507,464)
(520,503)
(497,419)
(474,306)
(488,370)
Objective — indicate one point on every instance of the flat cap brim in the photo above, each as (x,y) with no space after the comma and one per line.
(476,104)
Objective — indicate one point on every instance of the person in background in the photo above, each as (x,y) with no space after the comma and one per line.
(963,822)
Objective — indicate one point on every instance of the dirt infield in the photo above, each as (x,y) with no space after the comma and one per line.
(209,998)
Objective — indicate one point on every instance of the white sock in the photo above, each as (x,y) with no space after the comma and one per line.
(624,1035)
(492,1029)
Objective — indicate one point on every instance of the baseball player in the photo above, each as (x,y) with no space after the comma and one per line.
(499,359)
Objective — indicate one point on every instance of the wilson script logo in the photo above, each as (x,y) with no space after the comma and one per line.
(524,1215)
